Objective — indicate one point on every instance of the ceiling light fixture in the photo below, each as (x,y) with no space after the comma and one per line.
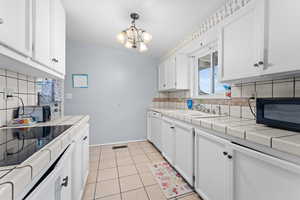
(133,37)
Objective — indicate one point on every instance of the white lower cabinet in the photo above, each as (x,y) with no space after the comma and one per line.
(262,177)
(184,147)
(226,171)
(85,153)
(168,140)
(211,167)
(80,163)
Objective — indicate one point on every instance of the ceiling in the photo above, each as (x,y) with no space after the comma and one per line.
(168,21)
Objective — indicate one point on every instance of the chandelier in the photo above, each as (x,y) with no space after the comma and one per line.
(133,37)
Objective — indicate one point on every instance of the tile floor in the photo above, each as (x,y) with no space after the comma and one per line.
(124,174)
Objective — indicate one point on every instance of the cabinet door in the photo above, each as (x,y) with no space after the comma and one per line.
(66,174)
(261,177)
(156,132)
(41,36)
(47,190)
(85,154)
(77,184)
(182,72)
(15,25)
(153,131)
(58,184)
(184,147)
(58,36)
(161,77)
(149,126)
(282,40)
(242,42)
(211,167)
(168,141)
(171,73)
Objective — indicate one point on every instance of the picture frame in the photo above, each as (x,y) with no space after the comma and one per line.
(80,80)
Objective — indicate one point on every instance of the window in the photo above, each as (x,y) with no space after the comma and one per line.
(207,69)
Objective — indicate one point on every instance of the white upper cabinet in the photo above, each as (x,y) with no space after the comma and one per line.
(173,73)
(58,36)
(260,40)
(242,43)
(33,36)
(15,25)
(161,77)
(282,38)
(41,39)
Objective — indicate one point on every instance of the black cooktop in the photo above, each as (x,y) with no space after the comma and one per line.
(18,144)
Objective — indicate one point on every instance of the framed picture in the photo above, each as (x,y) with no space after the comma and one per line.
(80,80)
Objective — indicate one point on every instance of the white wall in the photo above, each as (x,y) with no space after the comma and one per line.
(122,84)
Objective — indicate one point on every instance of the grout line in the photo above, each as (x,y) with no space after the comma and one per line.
(120,189)
(138,172)
(272,88)
(95,186)
(150,172)
(294,87)
(144,187)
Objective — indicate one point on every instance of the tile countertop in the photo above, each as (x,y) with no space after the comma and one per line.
(244,129)
(15,179)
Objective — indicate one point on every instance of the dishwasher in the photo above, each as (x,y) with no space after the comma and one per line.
(56,183)
(155,128)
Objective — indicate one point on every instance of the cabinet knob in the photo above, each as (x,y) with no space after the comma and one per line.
(164,85)
(225,153)
(1,21)
(65,182)
(256,65)
(55,60)
(229,156)
(172,127)
(260,62)
(85,138)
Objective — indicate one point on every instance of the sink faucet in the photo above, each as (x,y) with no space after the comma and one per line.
(217,110)
(202,108)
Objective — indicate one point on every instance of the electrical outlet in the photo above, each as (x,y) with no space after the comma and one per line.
(8,92)
(254,95)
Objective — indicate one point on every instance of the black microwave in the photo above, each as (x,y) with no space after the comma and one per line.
(281,113)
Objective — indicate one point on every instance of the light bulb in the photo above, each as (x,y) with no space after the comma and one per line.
(143,47)
(121,37)
(128,44)
(131,32)
(146,37)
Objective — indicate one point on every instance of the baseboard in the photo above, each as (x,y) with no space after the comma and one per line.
(113,143)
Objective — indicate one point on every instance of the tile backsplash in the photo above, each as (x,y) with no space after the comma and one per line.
(18,85)
(237,105)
